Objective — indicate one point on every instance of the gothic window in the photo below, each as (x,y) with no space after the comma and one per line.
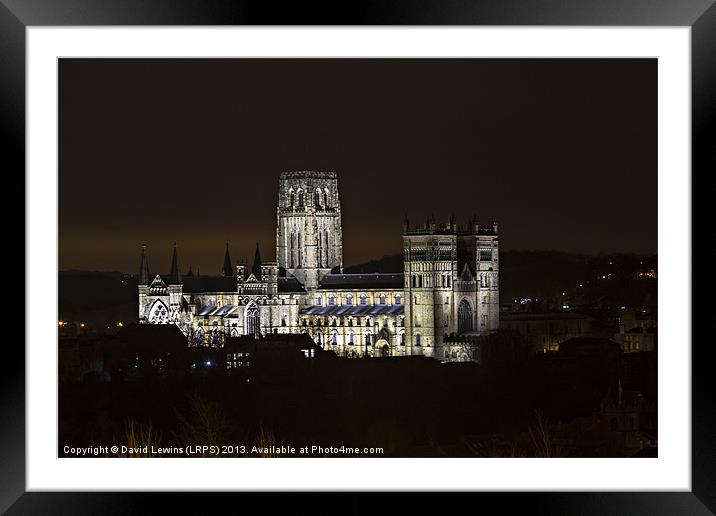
(397,299)
(464,317)
(292,247)
(283,319)
(253,320)
(350,321)
(300,199)
(350,338)
(382,299)
(363,299)
(325,197)
(158,314)
(368,338)
(292,199)
(349,299)
(331,300)
(367,321)
(402,339)
(319,300)
(334,337)
(317,199)
(319,338)
(300,251)
(234,332)
(199,336)
(418,339)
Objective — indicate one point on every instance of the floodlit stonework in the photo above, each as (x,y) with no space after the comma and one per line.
(449,286)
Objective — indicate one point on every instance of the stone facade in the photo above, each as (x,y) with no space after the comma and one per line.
(449,285)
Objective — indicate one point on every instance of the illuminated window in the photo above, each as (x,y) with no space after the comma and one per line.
(397,299)
(382,299)
(363,299)
(349,299)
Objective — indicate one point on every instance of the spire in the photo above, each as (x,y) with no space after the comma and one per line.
(190,274)
(144,267)
(175,275)
(228,269)
(256,269)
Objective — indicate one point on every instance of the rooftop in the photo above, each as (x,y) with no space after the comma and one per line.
(389,280)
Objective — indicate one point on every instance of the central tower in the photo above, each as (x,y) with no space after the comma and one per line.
(309,240)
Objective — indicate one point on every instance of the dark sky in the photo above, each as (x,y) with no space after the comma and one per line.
(561,152)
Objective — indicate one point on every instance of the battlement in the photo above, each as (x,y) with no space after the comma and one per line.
(430,227)
(309,174)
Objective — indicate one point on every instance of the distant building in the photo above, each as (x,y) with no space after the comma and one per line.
(637,339)
(545,331)
(449,285)
(637,331)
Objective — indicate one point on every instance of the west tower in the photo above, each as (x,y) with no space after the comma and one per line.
(309,240)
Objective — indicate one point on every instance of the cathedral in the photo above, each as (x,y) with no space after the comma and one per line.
(447,292)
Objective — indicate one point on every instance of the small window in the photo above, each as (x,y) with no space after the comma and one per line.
(397,299)
(418,339)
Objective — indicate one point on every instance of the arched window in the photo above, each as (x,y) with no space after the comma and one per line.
(331,300)
(300,251)
(317,199)
(464,317)
(363,299)
(382,299)
(350,338)
(300,199)
(283,319)
(253,320)
(199,336)
(319,338)
(158,314)
(215,336)
(292,251)
(325,198)
(334,337)
(349,299)
(319,300)
(418,339)
(292,198)
(402,339)
(397,299)
(367,321)
(350,321)
(234,332)
(415,281)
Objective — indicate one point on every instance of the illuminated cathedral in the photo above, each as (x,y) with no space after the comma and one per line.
(447,291)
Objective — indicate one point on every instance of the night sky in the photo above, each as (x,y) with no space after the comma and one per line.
(561,152)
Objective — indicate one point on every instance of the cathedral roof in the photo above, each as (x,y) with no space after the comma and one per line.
(353,310)
(200,284)
(362,281)
(290,284)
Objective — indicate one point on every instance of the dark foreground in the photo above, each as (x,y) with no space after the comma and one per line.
(588,403)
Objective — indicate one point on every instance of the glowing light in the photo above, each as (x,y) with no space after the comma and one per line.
(120,324)
(61,323)
(82,325)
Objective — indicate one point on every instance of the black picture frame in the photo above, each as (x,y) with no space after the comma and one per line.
(17,15)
